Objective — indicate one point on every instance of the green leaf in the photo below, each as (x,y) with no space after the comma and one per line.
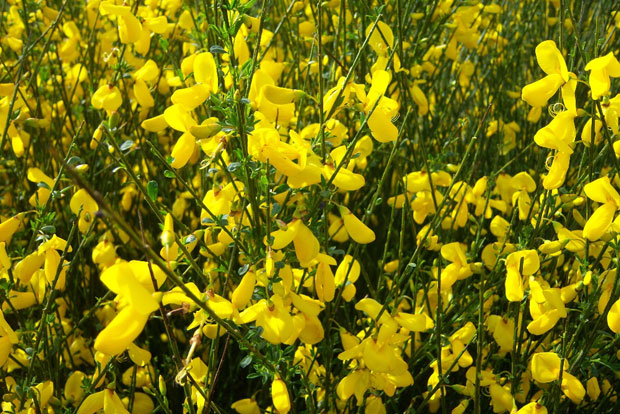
(215,49)
(247,360)
(49,229)
(233,166)
(126,145)
(152,189)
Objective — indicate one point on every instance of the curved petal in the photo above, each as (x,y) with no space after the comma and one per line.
(599,222)
(538,93)
(550,59)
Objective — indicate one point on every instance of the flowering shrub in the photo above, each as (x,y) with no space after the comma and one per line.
(344,206)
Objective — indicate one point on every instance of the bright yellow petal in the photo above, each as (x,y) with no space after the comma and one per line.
(357,230)
(155,124)
(526,261)
(599,221)
(538,93)
(514,285)
(382,31)
(550,59)
(613,317)
(602,191)
(280,397)
(92,403)
(280,96)
(324,283)
(348,269)
(112,404)
(345,179)
(306,245)
(545,367)
(142,94)
(190,98)
(129,29)
(205,71)
(183,150)
(381,126)
(544,323)
(572,388)
(557,173)
(8,227)
(121,332)
(599,83)
(178,118)
(414,323)
(243,293)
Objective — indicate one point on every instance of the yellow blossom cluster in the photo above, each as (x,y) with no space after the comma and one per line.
(332,206)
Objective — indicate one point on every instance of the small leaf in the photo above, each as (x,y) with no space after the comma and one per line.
(215,49)
(243,270)
(169,174)
(152,190)
(233,166)
(126,145)
(245,361)
(74,161)
(49,229)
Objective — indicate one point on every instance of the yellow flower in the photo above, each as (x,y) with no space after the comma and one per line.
(324,281)
(501,398)
(279,396)
(180,119)
(458,269)
(246,406)
(518,264)
(545,367)
(84,205)
(602,192)
(107,400)
(552,62)
(349,270)
(503,331)
(9,227)
(546,307)
(107,97)
(243,292)
(8,338)
(593,388)
(601,69)
(132,282)
(129,27)
(356,229)
(273,317)
(532,408)
(524,184)
(37,176)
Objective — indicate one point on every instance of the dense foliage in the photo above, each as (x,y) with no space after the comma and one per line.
(338,206)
